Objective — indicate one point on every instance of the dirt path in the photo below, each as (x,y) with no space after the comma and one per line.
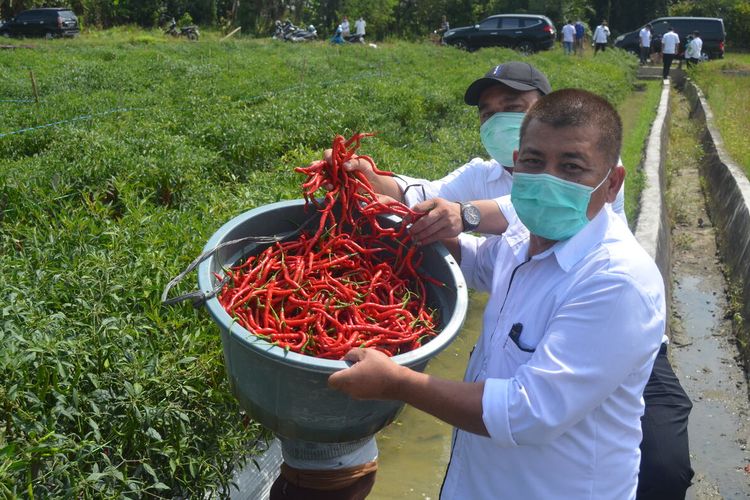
(703,352)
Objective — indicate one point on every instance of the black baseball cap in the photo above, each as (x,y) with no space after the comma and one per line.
(516,75)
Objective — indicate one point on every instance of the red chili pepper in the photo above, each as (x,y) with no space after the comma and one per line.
(354,281)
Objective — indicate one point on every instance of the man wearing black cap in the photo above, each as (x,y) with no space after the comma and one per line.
(502,96)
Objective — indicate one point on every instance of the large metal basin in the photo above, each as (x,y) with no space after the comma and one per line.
(286,391)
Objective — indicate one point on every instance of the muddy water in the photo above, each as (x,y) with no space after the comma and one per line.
(712,379)
(414,450)
(703,352)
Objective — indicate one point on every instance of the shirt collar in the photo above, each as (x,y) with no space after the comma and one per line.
(569,252)
(498,171)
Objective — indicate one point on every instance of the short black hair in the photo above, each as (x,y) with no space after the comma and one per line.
(580,108)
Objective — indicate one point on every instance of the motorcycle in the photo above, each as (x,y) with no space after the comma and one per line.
(190,32)
(355,38)
(289,32)
(339,38)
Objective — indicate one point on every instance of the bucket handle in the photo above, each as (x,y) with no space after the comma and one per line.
(198,297)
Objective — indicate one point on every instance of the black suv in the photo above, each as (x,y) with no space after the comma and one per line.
(711,31)
(47,22)
(524,32)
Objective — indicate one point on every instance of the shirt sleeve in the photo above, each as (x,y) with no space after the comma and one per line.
(506,208)
(602,334)
(478,254)
(460,185)
(618,206)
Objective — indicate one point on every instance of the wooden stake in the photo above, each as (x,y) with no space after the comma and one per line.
(33,86)
(232,33)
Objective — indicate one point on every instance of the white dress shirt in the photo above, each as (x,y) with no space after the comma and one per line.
(669,42)
(569,33)
(477,180)
(601,34)
(359,26)
(694,48)
(563,401)
(645,36)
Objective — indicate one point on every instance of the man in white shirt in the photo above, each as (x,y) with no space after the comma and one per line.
(473,194)
(645,43)
(693,50)
(568,36)
(502,97)
(345,30)
(359,26)
(551,403)
(601,37)
(670,42)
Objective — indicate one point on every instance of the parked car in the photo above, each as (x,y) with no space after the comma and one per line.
(711,31)
(524,32)
(51,22)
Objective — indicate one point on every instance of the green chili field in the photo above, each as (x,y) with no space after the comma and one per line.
(132,152)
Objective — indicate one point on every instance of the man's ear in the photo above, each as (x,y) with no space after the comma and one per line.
(515,156)
(614,183)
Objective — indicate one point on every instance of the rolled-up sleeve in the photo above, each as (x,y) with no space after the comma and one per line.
(495,410)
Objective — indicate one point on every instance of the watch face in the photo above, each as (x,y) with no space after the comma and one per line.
(470,215)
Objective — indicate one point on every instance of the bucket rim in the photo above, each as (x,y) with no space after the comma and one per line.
(413,358)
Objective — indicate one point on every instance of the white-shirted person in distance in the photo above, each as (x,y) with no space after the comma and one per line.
(551,402)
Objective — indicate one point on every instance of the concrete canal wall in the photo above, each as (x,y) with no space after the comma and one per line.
(652,229)
(728,198)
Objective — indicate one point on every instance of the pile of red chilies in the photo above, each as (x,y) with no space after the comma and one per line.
(352,283)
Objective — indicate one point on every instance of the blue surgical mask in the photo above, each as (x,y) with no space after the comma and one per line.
(500,135)
(551,207)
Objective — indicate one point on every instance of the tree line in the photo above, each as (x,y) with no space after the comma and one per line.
(408,19)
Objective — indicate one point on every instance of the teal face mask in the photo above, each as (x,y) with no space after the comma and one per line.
(551,207)
(500,135)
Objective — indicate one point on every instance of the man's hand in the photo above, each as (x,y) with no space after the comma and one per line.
(381,184)
(443,220)
(373,376)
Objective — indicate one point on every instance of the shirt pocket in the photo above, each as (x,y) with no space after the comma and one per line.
(516,351)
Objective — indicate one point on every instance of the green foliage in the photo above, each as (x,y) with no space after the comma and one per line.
(725,84)
(738,24)
(736,15)
(105,393)
(638,112)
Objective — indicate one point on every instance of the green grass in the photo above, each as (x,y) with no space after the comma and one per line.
(638,112)
(726,85)
(105,393)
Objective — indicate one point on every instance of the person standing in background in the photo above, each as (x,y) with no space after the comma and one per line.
(645,43)
(601,37)
(669,43)
(693,50)
(580,35)
(359,26)
(568,36)
(345,31)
